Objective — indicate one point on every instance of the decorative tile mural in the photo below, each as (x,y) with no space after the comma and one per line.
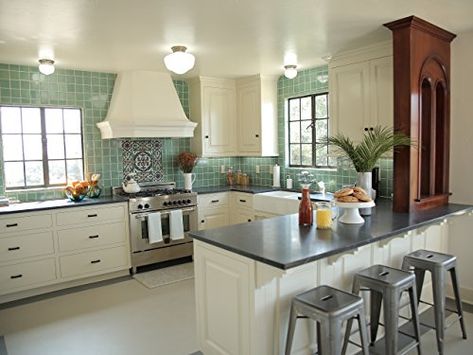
(143,157)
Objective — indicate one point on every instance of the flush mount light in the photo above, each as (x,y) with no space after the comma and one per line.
(290,71)
(46,66)
(179,61)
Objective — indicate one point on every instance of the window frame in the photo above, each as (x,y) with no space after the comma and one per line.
(44,159)
(314,142)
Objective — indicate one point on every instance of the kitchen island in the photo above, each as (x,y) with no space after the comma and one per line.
(247,274)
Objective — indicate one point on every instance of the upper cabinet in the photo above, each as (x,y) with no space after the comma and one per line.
(257,108)
(231,115)
(213,106)
(361,90)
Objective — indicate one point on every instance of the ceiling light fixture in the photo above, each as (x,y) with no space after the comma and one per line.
(46,66)
(322,78)
(179,61)
(290,71)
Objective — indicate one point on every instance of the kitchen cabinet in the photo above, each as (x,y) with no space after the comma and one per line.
(213,210)
(213,106)
(46,251)
(361,90)
(241,209)
(257,108)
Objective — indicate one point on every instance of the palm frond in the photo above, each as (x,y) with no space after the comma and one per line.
(375,144)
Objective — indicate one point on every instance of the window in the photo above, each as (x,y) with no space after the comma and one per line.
(308,126)
(42,147)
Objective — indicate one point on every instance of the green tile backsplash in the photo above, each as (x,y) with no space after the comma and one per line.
(91,91)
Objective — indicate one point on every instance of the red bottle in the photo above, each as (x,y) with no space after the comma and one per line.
(306,215)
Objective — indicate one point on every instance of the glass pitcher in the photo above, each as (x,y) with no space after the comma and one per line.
(323,215)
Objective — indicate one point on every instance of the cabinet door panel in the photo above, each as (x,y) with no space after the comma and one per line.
(219,120)
(249,119)
(382,91)
(349,99)
(213,218)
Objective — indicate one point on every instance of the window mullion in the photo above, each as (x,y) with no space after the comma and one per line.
(44,142)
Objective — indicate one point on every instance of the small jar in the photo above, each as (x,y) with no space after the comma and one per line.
(323,215)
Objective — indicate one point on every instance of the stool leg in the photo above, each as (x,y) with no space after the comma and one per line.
(415,316)
(319,338)
(438,283)
(420,274)
(363,332)
(458,301)
(291,328)
(391,315)
(330,334)
(375,311)
(355,291)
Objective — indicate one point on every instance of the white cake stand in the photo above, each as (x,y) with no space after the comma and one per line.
(351,214)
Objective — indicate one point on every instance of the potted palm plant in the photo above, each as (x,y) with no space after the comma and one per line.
(365,154)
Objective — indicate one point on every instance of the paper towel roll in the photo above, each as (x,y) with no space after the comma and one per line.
(276,176)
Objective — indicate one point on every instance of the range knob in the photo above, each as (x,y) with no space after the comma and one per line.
(179,202)
(140,206)
(188,201)
(146,205)
(174,202)
(165,203)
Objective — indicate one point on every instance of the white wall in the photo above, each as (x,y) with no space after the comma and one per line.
(461,157)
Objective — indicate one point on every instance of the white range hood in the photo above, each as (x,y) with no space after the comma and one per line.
(145,104)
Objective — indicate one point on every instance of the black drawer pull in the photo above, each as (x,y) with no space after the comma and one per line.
(16,276)
(13,248)
(249,219)
(215,201)
(244,201)
(206,137)
(202,221)
(12,225)
(95,261)
(93,236)
(92,215)
(257,135)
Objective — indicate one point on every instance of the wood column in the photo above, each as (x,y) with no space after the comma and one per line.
(421,111)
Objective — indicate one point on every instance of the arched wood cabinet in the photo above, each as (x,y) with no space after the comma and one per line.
(421,54)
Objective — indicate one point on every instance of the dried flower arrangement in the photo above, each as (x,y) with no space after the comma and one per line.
(186,161)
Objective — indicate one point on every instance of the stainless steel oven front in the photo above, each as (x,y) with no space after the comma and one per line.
(144,252)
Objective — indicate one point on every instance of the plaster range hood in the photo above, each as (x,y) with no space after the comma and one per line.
(145,104)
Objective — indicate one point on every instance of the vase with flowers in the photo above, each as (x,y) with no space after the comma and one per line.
(186,162)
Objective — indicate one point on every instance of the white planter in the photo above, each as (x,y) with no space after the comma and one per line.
(189,179)
(364,181)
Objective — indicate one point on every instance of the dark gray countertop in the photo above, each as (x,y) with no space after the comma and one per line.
(53,204)
(280,242)
(248,189)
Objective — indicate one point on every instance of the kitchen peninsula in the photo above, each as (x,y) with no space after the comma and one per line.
(247,274)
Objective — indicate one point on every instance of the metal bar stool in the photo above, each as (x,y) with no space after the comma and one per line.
(438,264)
(329,307)
(386,285)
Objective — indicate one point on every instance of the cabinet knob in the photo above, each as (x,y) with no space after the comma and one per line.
(206,137)
(249,219)
(202,221)
(257,135)
(366,129)
(371,129)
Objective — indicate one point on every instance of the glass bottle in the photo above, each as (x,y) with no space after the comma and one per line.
(323,215)
(306,215)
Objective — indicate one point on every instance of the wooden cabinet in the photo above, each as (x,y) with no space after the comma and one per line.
(361,90)
(213,210)
(213,107)
(231,115)
(257,108)
(241,210)
(45,251)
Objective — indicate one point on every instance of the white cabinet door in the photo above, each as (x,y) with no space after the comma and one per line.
(213,218)
(349,99)
(249,118)
(242,216)
(219,121)
(381,87)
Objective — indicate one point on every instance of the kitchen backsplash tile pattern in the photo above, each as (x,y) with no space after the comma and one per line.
(91,91)
(142,157)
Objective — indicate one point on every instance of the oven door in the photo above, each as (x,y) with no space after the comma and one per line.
(139,229)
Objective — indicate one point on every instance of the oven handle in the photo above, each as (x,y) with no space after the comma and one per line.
(144,215)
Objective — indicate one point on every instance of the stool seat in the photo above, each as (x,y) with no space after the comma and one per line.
(386,276)
(329,300)
(432,258)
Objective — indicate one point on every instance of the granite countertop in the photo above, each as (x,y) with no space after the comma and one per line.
(248,189)
(281,243)
(62,203)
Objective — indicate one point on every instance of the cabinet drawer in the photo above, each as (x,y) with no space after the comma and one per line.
(93,236)
(24,246)
(242,199)
(213,200)
(91,215)
(22,275)
(94,262)
(17,223)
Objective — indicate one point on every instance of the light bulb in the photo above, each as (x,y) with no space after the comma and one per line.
(46,66)
(179,61)
(290,71)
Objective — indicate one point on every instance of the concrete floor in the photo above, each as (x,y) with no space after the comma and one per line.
(126,318)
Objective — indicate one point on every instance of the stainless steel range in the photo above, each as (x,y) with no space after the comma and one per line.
(162,198)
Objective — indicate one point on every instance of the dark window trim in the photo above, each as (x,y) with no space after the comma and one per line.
(313,134)
(45,159)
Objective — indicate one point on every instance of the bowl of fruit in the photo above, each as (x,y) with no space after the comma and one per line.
(77,190)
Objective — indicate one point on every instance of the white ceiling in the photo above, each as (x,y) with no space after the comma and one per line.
(228,37)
